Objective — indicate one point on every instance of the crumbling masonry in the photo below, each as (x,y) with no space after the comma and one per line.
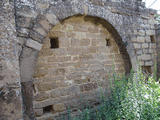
(56,54)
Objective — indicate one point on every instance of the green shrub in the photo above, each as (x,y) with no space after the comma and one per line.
(136,97)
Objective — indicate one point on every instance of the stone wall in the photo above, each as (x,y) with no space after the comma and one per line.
(10,88)
(130,24)
(158,49)
(82,62)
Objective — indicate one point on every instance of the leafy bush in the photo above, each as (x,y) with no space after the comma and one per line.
(157,17)
(136,97)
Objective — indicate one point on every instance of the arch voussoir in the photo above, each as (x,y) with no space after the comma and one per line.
(39,29)
(51,18)
(33,44)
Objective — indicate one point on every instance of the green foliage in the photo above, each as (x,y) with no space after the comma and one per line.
(136,97)
(157,16)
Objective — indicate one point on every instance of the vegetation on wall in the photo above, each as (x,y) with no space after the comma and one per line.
(157,16)
(136,97)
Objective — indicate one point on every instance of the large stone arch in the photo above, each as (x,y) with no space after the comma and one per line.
(42,24)
(130,18)
(38,33)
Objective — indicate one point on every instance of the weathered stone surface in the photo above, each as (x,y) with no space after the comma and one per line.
(137,46)
(27,63)
(157,49)
(149,63)
(150,32)
(59,107)
(141,32)
(24,21)
(36,36)
(145,57)
(27,94)
(23,32)
(145,45)
(41,31)
(52,18)
(10,88)
(73,90)
(41,96)
(46,86)
(88,46)
(11,104)
(139,52)
(38,112)
(45,24)
(33,44)
(141,39)
(88,87)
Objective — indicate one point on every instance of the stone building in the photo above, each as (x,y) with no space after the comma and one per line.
(56,54)
(158,49)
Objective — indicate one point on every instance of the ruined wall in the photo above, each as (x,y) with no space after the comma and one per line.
(129,22)
(158,49)
(82,62)
(10,88)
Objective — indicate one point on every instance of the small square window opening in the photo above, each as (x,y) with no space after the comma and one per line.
(152,39)
(108,42)
(54,42)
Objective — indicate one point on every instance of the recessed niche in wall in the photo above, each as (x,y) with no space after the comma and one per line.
(74,51)
(147,69)
(54,42)
(108,42)
(152,39)
(47,109)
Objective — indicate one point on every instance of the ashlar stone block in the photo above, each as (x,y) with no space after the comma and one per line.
(149,63)
(51,18)
(59,107)
(141,32)
(45,24)
(137,45)
(145,45)
(33,44)
(40,31)
(141,39)
(150,32)
(144,57)
(38,112)
(41,96)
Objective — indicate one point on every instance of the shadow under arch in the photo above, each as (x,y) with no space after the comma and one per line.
(121,45)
